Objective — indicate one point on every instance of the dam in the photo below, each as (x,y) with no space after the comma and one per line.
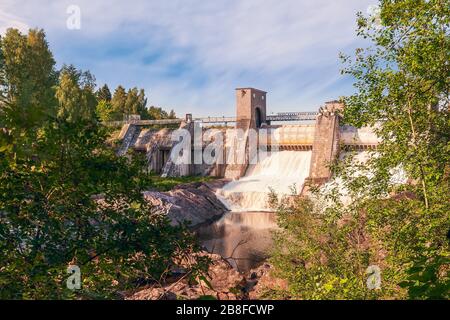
(260,155)
(308,143)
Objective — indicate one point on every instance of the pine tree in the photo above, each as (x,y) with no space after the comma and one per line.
(103,93)
(118,102)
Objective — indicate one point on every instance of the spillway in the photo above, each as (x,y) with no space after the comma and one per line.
(279,171)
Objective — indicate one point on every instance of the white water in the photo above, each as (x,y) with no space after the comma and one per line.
(397,177)
(279,171)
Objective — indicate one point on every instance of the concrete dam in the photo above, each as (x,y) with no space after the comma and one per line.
(286,152)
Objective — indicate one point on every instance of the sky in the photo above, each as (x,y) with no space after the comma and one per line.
(190,55)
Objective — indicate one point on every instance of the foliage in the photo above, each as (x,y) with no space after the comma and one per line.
(325,255)
(75,95)
(104,111)
(166,184)
(402,84)
(67,199)
(27,77)
(103,93)
(118,102)
(134,102)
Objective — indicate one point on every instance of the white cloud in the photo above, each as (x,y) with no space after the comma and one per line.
(287,47)
(11,21)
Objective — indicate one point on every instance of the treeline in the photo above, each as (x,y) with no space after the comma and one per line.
(124,103)
(69,94)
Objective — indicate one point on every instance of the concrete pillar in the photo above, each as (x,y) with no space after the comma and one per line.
(250,114)
(326,143)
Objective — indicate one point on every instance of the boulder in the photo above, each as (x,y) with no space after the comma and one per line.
(195,203)
(224,283)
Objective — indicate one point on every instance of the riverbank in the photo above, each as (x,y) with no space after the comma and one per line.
(194,203)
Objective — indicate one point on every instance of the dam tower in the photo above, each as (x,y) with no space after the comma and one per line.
(250,108)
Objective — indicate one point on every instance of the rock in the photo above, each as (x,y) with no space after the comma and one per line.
(262,279)
(195,203)
(226,284)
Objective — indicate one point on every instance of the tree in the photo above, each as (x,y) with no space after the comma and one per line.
(104,111)
(118,102)
(75,94)
(157,113)
(131,102)
(103,93)
(403,88)
(402,84)
(403,80)
(69,200)
(172,114)
(27,80)
(141,107)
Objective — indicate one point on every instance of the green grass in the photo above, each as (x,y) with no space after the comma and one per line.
(166,184)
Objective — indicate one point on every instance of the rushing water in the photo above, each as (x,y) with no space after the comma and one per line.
(280,171)
(243,238)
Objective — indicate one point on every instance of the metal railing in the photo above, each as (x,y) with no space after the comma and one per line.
(282,116)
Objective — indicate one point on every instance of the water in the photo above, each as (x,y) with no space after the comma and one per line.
(397,177)
(243,238)
(283,171)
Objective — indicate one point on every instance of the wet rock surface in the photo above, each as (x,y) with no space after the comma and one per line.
(194,202)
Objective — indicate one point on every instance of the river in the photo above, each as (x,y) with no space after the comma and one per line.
(243,238)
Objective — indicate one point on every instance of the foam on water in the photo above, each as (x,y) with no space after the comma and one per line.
(279,171)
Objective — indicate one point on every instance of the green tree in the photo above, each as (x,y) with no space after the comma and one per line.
(157,113)
(28,76)
(104,111)
(131,102)
(402,84)
(404,80)
(75,94)
(118,102)
(141,107)
(69,200)
(172,114)
(103,93)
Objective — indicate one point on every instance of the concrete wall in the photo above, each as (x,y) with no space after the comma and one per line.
(290,135)
(324,137)
(326,143)
(352,136)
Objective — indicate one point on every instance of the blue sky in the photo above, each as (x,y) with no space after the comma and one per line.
(190,55)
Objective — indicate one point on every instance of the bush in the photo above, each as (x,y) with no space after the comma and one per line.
(71,201)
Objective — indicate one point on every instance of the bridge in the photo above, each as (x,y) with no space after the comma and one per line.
(281,116)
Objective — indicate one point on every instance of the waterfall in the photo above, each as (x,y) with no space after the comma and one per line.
(283,172)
